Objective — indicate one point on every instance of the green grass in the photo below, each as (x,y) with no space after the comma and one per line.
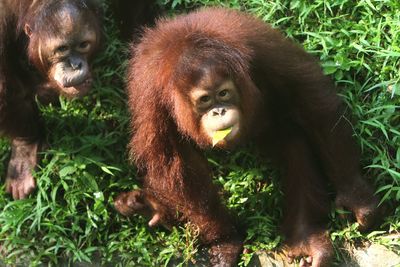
(71,213)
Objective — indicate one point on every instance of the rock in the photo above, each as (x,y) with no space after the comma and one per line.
(372,256)
(264,259)
(375,256)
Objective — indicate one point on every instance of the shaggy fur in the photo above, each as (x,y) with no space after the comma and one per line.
(25,70)
(291,111)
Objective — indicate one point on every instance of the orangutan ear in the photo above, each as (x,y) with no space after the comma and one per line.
(28,30)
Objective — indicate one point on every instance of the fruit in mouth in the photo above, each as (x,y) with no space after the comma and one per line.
(220,135)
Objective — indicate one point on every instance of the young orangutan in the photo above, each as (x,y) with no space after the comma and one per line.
(220,78)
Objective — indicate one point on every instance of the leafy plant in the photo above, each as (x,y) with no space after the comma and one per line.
(71,215)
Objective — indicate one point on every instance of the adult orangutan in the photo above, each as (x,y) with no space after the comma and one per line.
(220,78)
(45,49)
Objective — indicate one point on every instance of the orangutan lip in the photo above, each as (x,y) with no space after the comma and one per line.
(88,81)
(231,125)
(227,128)
(78,90)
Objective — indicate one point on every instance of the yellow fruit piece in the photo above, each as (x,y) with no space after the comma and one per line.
(220,135)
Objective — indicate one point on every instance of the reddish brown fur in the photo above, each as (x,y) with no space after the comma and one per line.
(23,76)
(290,110)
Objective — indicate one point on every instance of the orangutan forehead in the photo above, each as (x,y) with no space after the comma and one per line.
(70,19)
(202,89)
(83,33)
(68,16)
(209,78)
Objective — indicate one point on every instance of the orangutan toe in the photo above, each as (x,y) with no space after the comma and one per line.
(313,251)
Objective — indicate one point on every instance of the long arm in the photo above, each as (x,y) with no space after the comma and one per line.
(310,99)
(177,175)
(19,116)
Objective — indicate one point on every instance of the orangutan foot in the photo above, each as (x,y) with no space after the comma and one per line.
(314,250)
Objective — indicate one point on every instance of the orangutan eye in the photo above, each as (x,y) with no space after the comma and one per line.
(84,45)
(223,93)
(205,99)
(61,49)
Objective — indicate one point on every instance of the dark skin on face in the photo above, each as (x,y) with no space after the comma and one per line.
(215,100)
(67,51)
(61,37)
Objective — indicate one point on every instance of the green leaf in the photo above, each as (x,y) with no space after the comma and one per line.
(67,171)
(106,170)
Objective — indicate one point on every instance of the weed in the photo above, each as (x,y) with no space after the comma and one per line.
(71,215)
